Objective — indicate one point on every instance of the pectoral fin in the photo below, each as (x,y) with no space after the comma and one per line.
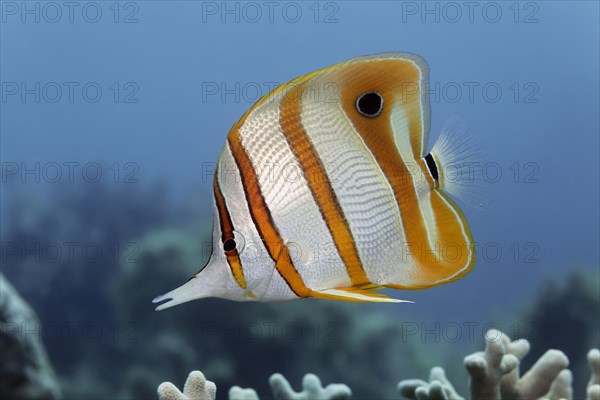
(355,294)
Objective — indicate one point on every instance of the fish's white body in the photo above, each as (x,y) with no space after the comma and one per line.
(324,189)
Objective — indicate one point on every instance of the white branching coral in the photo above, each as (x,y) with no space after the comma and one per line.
(438,387)
(561,387)
(196,388)
(237,393)
(311,389)
(487,368)
(593,387)
(494,375)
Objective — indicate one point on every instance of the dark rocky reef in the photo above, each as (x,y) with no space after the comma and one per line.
(25,371)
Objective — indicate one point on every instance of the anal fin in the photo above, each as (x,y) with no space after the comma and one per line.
(356,295)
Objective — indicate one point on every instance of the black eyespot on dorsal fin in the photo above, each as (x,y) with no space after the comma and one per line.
(229,245)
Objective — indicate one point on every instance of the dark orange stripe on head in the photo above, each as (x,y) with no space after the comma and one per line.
(319,184)
(261,216)
(233,258)
(378,136)
(396,81)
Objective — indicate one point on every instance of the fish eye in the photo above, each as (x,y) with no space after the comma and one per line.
(369,104)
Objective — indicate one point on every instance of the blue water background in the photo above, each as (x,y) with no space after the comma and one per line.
(165,126)
(176,49)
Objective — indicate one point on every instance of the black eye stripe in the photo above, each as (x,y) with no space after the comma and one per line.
(369,104)
(431,165)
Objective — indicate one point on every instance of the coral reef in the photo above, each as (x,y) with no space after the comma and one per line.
(593,386)
(311,389)
(494,375)
(198,388)
(25,372)
(437,388)
(151,246)
(571,305)
(67,219)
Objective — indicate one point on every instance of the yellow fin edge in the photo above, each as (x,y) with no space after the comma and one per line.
(355,295)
